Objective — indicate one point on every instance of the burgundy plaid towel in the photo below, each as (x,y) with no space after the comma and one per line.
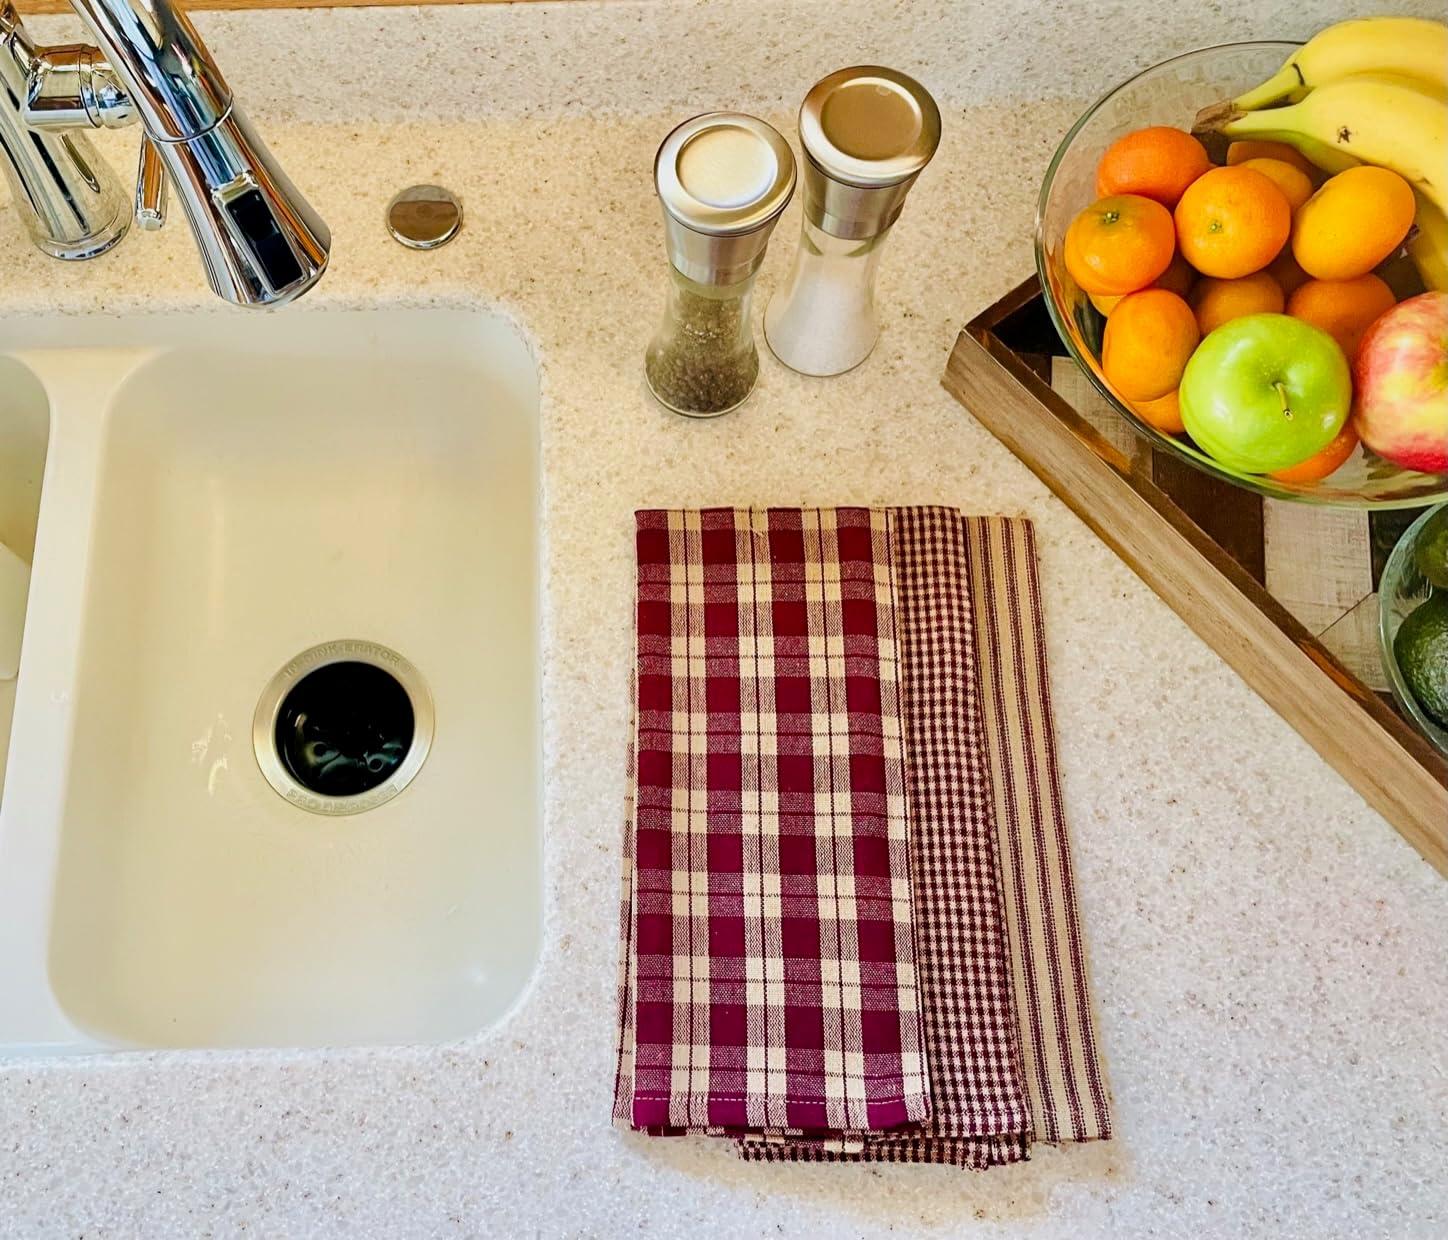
(769,974)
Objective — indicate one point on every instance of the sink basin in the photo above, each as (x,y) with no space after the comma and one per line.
(24,435)
(238,491)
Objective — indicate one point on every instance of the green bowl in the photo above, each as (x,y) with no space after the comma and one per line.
(1172,93)
(1401,589)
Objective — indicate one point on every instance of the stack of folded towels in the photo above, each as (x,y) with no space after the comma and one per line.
(849,924)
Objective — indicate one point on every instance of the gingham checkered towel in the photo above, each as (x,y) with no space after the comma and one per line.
(705,567)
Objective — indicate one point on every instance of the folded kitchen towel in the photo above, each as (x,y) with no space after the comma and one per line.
(987,1040)
(1064,1074)
(979,1114)
(769,976)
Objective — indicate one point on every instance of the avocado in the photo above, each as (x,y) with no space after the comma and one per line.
(1431,553)
(1421,648)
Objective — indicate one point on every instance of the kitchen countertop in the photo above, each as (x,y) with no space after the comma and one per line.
(1267,954)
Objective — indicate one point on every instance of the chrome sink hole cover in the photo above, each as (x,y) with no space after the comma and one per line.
(344,727)
(424,217)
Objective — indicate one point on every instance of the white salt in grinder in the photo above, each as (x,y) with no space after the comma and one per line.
(867,133)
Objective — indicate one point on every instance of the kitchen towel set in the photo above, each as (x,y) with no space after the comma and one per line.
(849,927)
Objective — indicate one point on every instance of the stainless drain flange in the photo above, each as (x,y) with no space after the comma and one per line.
(343,728)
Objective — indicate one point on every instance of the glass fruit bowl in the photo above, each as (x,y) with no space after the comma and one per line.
(1172,93)
(1407,583)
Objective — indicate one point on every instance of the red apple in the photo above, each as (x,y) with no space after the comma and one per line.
(1400,384)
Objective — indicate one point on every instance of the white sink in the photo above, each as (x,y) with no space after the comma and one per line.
(223,493)
(24,434)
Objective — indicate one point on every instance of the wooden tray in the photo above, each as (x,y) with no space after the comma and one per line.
(1284,592)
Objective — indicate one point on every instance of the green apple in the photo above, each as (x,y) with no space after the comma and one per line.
(1265,392)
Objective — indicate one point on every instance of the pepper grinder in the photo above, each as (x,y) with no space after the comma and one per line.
(722,179)
(867,132)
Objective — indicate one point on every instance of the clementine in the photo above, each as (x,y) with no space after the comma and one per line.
(1105,303)
(1243,149)
(1220,301)
(1285,271)
(1352,223)
(1149,338)
(1158,162)
(1178,277)
(1119,244)
(1296,185)
(1164,413)
(1325,462)
(1344,309)
(1232,222)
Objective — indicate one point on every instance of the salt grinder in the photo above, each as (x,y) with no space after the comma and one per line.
(867,133)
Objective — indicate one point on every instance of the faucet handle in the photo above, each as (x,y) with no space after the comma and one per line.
(150,187)
(72,87)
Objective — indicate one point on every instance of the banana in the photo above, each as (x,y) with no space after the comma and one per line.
(1328,158)
(1377,118)
(1429,248)
(1411,47)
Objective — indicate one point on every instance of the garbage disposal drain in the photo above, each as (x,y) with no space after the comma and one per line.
(344,727)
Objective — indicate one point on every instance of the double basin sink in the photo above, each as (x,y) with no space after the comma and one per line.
(215,506)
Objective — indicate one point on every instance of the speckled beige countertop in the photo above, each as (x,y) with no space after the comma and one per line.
(1269,957)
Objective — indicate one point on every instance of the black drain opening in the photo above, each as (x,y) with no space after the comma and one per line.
(344,729)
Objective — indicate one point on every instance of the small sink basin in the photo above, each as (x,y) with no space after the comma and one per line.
(24,435)
(255,487)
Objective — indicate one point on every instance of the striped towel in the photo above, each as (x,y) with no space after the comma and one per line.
(1008,1051)
(1065,1077)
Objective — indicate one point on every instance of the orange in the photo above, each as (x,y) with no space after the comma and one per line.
(1158,163)
(1248,148)
(1285,271)
(1220,301)
(1232,222)
(1178,277)
(1344,309)
(1352,223)
(1325,462)
(1296,185)
(1164,413)
(1119,244)
(1148,339)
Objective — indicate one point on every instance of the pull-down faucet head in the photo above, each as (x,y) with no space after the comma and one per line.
(261,242)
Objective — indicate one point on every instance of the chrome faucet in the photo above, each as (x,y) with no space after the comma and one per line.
(261,242)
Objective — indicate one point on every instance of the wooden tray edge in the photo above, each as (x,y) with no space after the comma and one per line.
(1393,768)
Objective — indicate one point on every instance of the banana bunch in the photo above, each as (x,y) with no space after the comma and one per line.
(1370,91)
(1409,47)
